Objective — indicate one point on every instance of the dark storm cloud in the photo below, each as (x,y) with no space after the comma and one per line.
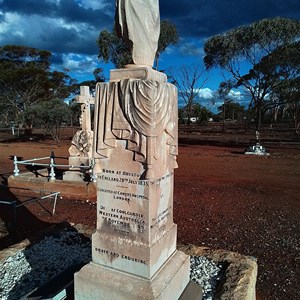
(56,39)
(72,12)
(206,18)
(68,40)
(44,28)
(68,10)
(27,7)
(64,40)
(57,59)
(198,19)
(65,26)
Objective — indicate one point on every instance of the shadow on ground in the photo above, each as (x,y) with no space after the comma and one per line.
(16,225)
(52,253)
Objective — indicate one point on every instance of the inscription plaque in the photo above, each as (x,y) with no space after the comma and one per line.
(126,215)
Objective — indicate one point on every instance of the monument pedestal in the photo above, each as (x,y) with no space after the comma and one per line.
(134,252)
(98,282)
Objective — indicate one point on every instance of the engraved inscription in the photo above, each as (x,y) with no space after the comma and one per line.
(123,220)
(112,255)
(161,217)
(123,201)
(119,195)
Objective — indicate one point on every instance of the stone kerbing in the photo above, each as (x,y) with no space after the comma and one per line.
(240,275)
(68,189)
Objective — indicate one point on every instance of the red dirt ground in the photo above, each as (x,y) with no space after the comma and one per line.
(222,199)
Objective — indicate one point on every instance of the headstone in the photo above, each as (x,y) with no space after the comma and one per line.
(81,149)
(134,252)
(135,143)
(85,99)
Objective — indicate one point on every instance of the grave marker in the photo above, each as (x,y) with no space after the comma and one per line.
(134,252)
(85,99)
(81,149)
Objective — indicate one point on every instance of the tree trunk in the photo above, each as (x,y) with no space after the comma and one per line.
(296,119)
(224,117)
(258,118)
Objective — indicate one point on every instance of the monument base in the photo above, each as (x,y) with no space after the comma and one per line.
(137,72)
(94,281)
(257,150)
(73,176)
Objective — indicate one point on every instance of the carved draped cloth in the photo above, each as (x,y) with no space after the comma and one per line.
(138,23)
(134,110)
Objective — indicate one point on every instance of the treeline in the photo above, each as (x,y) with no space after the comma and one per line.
(33,94)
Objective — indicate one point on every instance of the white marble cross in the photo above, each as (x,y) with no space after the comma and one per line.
(85,99)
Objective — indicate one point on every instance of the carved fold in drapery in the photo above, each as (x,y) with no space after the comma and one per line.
(135,111)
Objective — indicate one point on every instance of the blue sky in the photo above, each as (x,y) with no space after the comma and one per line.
(69,29)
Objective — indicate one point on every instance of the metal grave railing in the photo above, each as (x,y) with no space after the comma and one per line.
(52,165)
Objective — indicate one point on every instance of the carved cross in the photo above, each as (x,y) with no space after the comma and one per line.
(85,99)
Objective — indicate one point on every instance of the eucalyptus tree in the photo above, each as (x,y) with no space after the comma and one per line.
(285,61)
(246,54)
(50,116)
(26,80)
(112,48)
(23,77)
(292,107)
(168,36)
(189,79)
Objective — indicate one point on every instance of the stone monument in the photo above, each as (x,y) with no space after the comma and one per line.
(134,252)
(81,149)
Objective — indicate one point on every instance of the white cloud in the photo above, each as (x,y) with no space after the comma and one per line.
(56,35)
(54,1)
(169,50)
(94,4)
(190,48)
(235,95)
(79,63)
(206,93)
(9,25)
(30,28)
(61,22)
(62,38)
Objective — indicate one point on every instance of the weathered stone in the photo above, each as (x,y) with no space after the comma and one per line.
(135,148)
(241,273)
(141,118)
(98,282)
(137,72)
(82,143)
(135,144)
(73,176)
(138,23)
(85,99)
(68,190)
(81,149)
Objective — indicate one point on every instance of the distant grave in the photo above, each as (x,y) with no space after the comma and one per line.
(82,142)
(257,149)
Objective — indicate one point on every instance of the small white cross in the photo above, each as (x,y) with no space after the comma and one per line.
(85,99)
